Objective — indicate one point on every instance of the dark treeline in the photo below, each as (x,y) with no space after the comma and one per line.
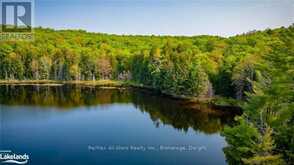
(256,67)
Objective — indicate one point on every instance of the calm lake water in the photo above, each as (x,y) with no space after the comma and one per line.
(78,125)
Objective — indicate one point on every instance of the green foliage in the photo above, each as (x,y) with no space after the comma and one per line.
(263,154)
(194,66)
(241,140)
(270,107)
(249,146)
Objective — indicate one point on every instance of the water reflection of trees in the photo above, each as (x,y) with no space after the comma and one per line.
(162,111)
(181,116)
(65,96)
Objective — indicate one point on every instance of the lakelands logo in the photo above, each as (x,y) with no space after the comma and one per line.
(8,157)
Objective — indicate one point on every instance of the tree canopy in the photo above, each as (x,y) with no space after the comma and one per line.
(197,66)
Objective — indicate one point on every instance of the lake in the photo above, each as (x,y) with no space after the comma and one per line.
(79,125)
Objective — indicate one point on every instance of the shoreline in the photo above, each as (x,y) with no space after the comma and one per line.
(114,84)
(62,82)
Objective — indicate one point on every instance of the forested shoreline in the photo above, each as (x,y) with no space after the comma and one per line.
(256,67)
(196,66)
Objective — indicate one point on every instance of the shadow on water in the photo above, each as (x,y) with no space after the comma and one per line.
(162,111)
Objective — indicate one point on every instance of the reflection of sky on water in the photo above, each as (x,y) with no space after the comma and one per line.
(62,135)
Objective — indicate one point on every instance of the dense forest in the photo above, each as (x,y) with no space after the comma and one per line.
(256,67)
